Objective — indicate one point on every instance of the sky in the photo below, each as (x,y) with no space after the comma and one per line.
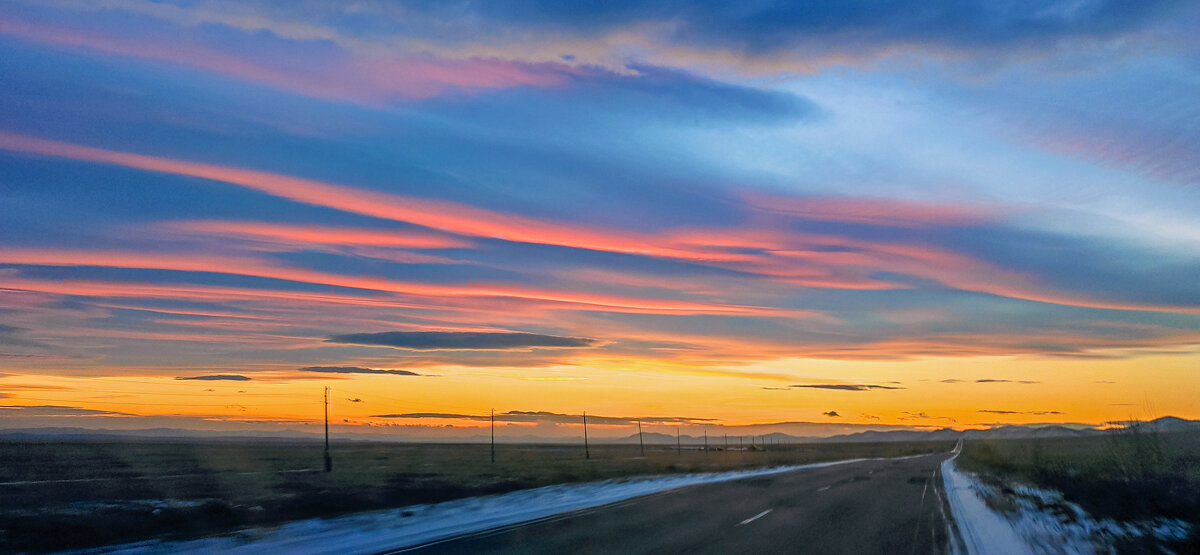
(811,217)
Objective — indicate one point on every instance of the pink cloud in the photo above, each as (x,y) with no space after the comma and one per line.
(257,268)
(369,80)
(309,234)
(799,258)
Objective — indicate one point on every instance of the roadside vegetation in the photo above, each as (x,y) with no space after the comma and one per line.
(1127,475)
(73,494)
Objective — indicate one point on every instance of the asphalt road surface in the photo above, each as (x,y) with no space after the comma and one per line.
(891,506)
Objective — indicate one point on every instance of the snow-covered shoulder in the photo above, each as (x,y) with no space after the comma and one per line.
(1023,519)
(376,531)
(981,531)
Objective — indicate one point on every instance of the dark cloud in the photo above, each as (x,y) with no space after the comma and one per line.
(12,335)
(54,410)
(845,387)
(661,92)
(989,380)
(1030,412)
(831,414)
(849,26)
(355,370)
(542,416)
(217,377)
(461,340)
(914,415)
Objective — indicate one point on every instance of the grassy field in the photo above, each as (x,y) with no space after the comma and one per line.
(1133,475)
(63,494)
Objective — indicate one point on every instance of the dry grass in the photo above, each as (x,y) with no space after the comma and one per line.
(1130,475)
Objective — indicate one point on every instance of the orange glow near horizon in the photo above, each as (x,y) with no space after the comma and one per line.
(1080,392)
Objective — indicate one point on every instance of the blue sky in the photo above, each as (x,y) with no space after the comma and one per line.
(211,186)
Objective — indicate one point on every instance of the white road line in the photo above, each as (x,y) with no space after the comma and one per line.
(824,488)
(754,518)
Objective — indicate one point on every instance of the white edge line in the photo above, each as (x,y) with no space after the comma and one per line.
(754,518)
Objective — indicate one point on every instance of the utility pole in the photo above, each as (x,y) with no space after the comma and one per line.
(586,453)
(641,443)
(705,441)
(493,436)
(726,442)
(678,448)
(328,459)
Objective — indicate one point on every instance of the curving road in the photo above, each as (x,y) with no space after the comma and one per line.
(892,506)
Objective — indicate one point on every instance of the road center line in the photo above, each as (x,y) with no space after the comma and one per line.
(824,488)
(754,518)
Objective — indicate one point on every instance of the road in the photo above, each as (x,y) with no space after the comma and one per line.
(879,506)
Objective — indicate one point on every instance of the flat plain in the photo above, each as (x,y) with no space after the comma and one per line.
(73,494)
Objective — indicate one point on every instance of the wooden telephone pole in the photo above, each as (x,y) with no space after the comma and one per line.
(641,443)
(587,454)
(493,435)
(678,447)
(328,459)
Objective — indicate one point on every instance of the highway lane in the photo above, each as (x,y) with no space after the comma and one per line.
(892,506)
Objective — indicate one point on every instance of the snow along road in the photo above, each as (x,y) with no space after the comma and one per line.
(1030,526)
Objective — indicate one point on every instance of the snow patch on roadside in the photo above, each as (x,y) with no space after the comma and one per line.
(1032,520)
(377,531)
(981,531)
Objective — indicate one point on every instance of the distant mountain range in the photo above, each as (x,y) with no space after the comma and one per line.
(1166,424)
(945,434)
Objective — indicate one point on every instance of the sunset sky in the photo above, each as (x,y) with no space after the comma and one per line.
(716,216)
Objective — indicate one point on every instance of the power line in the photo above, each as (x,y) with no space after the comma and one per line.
(416,403)
(106,402)
(155,393)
